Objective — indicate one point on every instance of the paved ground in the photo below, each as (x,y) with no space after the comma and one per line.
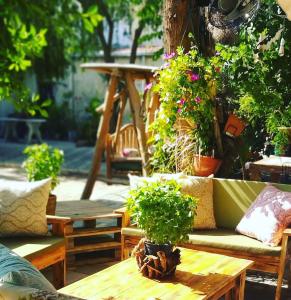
(77,164)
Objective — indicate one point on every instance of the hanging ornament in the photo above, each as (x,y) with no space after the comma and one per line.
(286,6)
(281,48)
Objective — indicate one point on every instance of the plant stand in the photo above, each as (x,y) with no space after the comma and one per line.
(158,266)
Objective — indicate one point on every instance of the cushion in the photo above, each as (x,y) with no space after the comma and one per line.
(268,216)
(222,239)
(198,187)
(23,207)
(18,271)
(14,292)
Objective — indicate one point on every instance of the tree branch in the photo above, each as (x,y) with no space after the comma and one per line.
(137,34)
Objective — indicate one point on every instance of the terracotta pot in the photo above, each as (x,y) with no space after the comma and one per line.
(51,205)
(205,165)
(234,126)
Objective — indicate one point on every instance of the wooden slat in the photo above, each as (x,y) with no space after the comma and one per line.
(83,232)
(94,247)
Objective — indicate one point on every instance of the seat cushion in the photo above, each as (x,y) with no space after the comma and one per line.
(18,271)
(23,207)
(221,239)
(29,247)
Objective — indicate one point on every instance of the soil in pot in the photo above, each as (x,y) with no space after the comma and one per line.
(205,165)
(51,205)
(158,265)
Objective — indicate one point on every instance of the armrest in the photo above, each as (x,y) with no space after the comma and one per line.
(57,220)
(287,232)
(125,216)
(60,225)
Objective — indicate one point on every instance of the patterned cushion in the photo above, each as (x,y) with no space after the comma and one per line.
(198,187)
(268,216)
(23,207)
(18,271)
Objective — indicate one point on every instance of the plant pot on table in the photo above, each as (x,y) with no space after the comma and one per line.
(51,205)
(156,261)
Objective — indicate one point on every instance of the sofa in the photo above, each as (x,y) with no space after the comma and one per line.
(43,252)
(231,199)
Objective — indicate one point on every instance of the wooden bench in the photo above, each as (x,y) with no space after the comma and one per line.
(33,126)
(44,252)
(231,200)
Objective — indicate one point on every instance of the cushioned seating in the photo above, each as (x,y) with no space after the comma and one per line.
(29,247)
(231,199)
(221,239)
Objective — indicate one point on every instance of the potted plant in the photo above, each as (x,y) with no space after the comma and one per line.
(187,85)
(166,216)
(43,162)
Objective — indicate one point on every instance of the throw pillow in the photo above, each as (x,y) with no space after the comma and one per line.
(23,207)
(198,187)
(268,216)
(18,271)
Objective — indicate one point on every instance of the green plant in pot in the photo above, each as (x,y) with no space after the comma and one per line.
(187,86)
(43,162)
(166,216)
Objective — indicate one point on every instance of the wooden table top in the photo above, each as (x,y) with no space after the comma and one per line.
(108,68)
(200,276)
(81,210)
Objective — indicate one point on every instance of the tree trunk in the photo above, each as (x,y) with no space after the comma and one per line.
(134,45)
(178,16)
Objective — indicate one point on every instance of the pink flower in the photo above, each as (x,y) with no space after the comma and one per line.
(148,86)
(169,56)
(194,77)
(181,101)
(179,110)
(197,99)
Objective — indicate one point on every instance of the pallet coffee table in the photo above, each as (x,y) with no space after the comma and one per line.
(201,275)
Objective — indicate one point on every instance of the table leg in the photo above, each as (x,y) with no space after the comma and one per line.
(239,289)
(101,137)
(10,131)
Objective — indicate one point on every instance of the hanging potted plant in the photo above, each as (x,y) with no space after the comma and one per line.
(44,162)
(234,126)
(187,85)
(166,216)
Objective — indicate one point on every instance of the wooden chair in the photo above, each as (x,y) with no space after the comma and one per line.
(118,151)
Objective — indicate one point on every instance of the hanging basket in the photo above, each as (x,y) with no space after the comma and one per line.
(205,165)
(234,126)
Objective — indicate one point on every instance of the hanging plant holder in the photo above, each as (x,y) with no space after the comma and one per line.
(234,126)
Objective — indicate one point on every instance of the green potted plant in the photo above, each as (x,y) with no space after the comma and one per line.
(42,162)
(187,86)
(166,216)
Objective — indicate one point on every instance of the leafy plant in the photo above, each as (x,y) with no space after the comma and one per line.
(162,211)
(42,162)
(187,86)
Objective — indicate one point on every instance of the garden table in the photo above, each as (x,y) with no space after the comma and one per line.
(32,124)
(128,74)
(201,275)
(270,168)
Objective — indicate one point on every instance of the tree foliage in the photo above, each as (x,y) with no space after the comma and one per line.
(38,34)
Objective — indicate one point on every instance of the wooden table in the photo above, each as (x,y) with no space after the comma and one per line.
(128,74)
(201,275)
(273,165)
(80,231)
